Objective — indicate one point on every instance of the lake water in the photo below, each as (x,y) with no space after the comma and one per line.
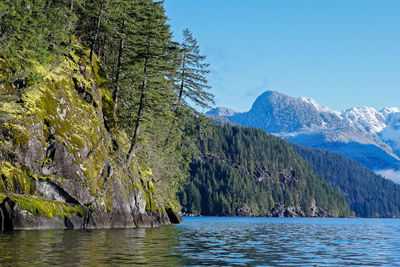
(213,241)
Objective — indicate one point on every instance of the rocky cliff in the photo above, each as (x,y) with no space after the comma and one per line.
(58,165)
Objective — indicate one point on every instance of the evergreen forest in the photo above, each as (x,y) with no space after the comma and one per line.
(368,194)
(152,78)
(244,171)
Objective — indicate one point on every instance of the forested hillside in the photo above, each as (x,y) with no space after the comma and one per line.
(368,194)
(94,110)
(363,134)
(245,171)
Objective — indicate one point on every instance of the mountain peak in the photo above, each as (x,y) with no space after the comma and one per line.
(272,99)
(387,111)
(273,95)
(222,111)
(279,113)
(311,101)
(369,136)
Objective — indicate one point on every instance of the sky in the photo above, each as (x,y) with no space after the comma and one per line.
(342,53)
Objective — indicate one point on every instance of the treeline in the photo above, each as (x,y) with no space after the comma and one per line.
(245,171)
(152,77)
(368,194)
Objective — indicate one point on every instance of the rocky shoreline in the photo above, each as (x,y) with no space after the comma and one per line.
(12,217)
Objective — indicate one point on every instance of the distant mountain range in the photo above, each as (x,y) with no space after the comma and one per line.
(364,134)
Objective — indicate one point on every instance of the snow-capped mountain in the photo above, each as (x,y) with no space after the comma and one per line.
(223,112)
(364,134)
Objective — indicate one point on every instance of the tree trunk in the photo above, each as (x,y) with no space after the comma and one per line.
(180,95)
(116,90)
(182,84)
(96,32)
(140,110)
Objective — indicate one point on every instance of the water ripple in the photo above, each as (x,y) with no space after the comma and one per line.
(213,241)
(272,241)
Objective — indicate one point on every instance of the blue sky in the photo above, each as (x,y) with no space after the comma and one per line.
(342,53)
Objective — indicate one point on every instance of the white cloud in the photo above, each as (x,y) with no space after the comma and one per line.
(390,174)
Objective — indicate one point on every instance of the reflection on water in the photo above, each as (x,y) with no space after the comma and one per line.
(91,248)
(213,241)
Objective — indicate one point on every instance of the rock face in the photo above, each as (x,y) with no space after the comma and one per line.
(58,168)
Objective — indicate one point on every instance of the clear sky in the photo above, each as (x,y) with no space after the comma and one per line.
(342,53)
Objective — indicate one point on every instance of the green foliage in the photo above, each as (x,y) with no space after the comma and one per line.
(146,94)
(34,29)
(368,194)
(247,171)
(192,81)
(44,47)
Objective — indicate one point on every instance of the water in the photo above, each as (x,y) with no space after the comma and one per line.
(213,241)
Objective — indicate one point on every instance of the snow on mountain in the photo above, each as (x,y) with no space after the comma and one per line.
(374,134)
(365,118)
(221,111)
(311,101)
(388,111)
(278,113)
(391,133)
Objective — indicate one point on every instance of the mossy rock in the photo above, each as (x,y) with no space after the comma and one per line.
(14,179)
(61,128)
(43,207)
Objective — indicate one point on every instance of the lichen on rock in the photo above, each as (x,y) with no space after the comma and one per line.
(57,157)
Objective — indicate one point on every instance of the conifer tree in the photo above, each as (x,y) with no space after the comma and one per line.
(150,96)
(96,28)
(152,78)
(124,15)
(36,29)
(192,79)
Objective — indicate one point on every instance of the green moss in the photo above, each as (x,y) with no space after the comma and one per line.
(77,141)
(99,73)
(108,112)
(15,180)
(108,198)
(11,109)
(2,197)
(47,162)
(149,197)
(139,186)
(17,132)
(56,110)
(6,87)
(74,56)
(44,207)
(151,187)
